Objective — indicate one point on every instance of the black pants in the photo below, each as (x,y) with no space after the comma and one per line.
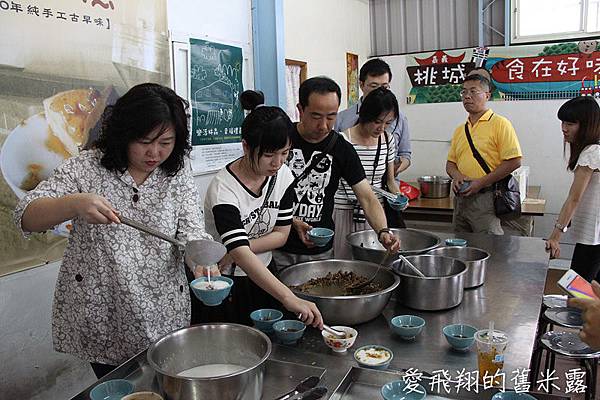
(102,369)
(586,261)
(245,297)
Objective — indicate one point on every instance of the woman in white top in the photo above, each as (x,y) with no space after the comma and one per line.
(581,129)
(119,289)
(376,150)
(248,205)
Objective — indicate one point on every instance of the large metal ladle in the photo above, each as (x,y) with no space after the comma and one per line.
(196,252)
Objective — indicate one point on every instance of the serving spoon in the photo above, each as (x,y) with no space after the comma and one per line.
(368,281)
(411,266)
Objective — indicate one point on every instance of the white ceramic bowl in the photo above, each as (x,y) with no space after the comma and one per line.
(337,344)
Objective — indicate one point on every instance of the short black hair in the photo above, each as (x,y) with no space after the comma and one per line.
(318,84)
(138,112)
(376,102)
(481,79)
(250,99)
(483,72)
(374,67)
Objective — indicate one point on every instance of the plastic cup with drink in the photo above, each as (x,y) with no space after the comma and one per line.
(491,346)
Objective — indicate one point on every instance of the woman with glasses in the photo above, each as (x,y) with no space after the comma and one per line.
(376,150)
(580,124)
(248,205)
(118,289)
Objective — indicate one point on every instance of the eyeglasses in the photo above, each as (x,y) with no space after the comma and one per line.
(377,85)
(470,93)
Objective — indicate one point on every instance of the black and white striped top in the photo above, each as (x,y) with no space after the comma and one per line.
(233,212)
(345,197)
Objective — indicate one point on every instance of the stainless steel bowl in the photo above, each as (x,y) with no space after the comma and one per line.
(434,187)
(210,344)
(343,310)
(475,259)
(365,245)
(441,289)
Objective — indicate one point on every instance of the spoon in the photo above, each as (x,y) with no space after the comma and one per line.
(411,266)
(327,328)
(368,281)
(209,286)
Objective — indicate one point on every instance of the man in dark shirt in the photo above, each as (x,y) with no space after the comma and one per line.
(314,192)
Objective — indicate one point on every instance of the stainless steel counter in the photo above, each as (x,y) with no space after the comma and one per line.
(511,296)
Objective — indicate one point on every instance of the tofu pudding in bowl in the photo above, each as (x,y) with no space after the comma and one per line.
(373,356)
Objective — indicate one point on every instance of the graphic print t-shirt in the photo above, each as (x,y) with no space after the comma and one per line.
(233,212)
(314,195)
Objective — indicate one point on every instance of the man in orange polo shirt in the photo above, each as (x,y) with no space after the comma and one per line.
(496,140)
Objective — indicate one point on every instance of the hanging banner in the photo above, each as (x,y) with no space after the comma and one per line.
(532,72)
(61,63)
(352,78)
(217,116)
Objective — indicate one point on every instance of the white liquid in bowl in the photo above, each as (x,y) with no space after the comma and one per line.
(215,285)
(211,370)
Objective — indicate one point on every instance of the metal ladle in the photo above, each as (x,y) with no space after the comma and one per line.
(196,252)
(411,266)
(368,281)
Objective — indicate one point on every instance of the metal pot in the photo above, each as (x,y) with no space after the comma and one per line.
(343,310)
(475,259)
(209,344)
(365,245)
(434,187)
(441,289)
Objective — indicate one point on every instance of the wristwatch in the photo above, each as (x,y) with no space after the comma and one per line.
(561,227)
(383,230)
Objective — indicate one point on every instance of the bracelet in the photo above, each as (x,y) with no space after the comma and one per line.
(383,230)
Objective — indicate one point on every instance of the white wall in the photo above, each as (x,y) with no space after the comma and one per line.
(321,32)
(228,22)
(432,125)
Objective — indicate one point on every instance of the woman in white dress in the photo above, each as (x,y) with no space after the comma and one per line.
(118,289)
(248,205)
(581,211)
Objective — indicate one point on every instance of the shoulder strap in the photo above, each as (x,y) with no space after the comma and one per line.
(377,154)
(476,154)
(317,159)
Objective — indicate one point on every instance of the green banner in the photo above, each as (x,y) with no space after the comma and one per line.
(216,83)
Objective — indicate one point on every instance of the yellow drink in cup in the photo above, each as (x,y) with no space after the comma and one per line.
(490,353)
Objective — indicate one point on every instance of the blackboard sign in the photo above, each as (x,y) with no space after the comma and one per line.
(216,83)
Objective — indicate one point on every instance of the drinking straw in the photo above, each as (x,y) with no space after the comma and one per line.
(491,332)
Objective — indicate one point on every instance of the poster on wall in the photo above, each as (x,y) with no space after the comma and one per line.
(352,78)
(217,116)
(531,72)
(61,63)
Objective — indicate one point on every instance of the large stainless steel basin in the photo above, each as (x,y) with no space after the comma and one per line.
(366,246)
(475,260)
(217,346)
(343,310)
(441,289)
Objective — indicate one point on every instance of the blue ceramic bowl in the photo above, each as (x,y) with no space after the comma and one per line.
(407,326)
(465,185)
(456,242)
(289,331)
(114,389)
(372,365)
(265,318)
(320,236)
(460,336)
(512,396)
(397,390)
(399,204)
(212,297)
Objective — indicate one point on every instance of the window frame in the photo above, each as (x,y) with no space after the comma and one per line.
(582,33)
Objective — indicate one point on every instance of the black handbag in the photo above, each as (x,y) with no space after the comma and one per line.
(507,198)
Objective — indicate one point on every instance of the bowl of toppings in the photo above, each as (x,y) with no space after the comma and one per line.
(373,356)
(264,319)
(407,326)
(338,344)
(399,390)
(289,331)
(214,292)
(320,236)
(460,336)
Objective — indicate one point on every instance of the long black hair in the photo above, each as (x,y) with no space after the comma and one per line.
(143,109)
(265,129)
(585,110)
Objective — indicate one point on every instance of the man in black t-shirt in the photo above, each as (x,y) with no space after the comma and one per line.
(314,193)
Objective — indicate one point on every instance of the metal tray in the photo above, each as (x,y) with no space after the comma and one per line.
(360,383)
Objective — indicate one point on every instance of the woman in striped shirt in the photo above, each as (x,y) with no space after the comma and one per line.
(376,149)
(248,205)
